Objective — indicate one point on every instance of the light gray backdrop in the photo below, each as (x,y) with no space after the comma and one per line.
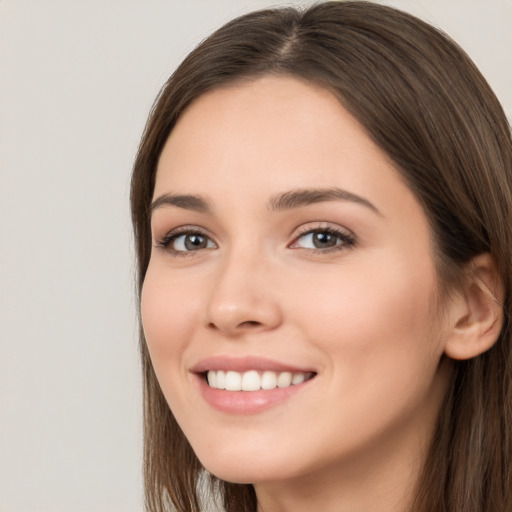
(77,79)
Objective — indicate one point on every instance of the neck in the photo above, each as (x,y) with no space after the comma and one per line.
(383,485)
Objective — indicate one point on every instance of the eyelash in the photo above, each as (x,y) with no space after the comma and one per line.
(169,238)
(347,239)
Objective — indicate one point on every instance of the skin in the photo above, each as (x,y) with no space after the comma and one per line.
(363,315)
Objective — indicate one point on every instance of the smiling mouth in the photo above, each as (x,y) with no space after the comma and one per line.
(254,380)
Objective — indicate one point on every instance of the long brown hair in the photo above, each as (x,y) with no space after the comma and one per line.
(422,100)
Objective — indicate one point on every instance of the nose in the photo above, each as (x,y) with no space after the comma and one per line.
(242,297)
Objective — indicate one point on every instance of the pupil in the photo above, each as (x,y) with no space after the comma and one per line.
(324,240)
(195,242)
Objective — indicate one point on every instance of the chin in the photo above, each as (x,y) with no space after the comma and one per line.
(244,468)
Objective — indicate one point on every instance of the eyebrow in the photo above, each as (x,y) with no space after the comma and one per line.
(186,201)
(285,201)
(304,197)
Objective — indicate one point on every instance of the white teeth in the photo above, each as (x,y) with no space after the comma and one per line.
(253,380)
(298,378)
(269,380)
(220,380)
(212,379)
(250,381)
(284,380)
(233,381)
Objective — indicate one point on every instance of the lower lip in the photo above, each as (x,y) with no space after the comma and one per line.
(247,402)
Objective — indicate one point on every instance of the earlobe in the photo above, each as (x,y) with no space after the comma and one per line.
(477,311)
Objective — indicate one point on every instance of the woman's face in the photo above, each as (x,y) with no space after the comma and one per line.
(286,247)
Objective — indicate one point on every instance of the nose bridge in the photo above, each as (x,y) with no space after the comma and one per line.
(242,297)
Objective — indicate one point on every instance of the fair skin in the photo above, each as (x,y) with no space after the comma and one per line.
(337,287)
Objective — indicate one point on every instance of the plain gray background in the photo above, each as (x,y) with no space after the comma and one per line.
(77,79)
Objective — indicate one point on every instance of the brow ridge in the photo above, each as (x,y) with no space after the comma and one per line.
(185,201)
(285,201)
(304,197)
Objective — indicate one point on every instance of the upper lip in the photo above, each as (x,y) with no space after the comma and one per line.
(243,364)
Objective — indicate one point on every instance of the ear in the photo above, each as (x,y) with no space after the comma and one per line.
(476,314)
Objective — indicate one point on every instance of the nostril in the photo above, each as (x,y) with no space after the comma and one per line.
(249,323)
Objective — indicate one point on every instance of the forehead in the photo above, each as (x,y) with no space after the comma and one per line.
(271,127)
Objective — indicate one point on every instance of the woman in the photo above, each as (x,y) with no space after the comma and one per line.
(321,204)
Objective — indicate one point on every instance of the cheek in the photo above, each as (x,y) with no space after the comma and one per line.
(168,318)
(371,314)
(375,330)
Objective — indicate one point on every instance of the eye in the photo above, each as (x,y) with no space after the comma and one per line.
(323,239)
(186,241)
(191,242)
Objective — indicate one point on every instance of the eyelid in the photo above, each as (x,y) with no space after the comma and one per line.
(346,235)
(165,241)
